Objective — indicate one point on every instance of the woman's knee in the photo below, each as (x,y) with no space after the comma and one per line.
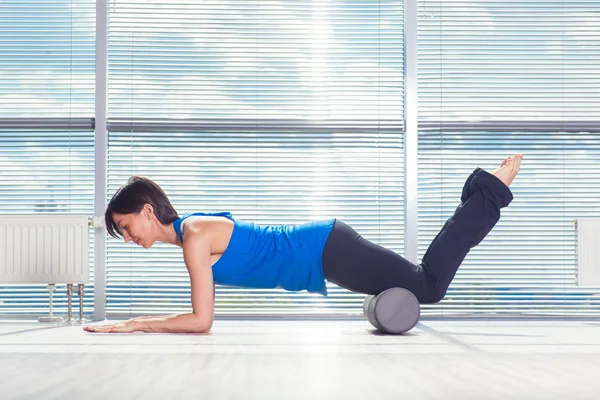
(432,295)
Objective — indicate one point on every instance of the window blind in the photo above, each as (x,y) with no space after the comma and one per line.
(496,78)
(279,112)
(46,123)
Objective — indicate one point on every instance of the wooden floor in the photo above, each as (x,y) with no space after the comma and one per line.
(305,360)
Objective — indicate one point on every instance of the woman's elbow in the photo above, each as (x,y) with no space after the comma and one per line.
(202,326)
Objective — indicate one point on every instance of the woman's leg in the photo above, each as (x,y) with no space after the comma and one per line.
(353,262)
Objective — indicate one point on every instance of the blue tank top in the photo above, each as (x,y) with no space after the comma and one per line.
(282,256)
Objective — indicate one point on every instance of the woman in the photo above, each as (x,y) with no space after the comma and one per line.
(220,249)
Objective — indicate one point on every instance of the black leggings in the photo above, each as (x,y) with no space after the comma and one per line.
(354,263)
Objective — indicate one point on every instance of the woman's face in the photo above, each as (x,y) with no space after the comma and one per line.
(137,228)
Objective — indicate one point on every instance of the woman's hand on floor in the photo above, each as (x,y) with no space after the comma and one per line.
(121,327)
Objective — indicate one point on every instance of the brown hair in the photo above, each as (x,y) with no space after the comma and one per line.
(131,198)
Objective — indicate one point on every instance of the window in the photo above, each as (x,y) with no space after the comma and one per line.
(497,78)
(279,112)
(47,61)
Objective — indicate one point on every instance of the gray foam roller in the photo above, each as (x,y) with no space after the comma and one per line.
(368,300)
(395,310)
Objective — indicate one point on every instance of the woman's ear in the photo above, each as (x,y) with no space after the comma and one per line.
(148,211)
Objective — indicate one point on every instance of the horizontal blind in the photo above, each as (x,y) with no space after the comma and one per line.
(47,66)
(508,61)
(47,59)
(497,78)
(279,112)
(269,179)
(293,59)
(45,172)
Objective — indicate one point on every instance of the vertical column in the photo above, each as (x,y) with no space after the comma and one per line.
(411,131)
(101,145)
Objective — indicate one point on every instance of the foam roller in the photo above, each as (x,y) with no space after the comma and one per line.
(395,310)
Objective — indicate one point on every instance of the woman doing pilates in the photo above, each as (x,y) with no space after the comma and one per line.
(218,248)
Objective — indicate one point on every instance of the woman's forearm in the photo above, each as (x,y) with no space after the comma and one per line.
(183,323)
(149,317)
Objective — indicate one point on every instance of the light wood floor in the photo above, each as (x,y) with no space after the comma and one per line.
(305,360)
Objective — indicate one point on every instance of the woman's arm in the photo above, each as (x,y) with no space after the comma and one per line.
(196,253)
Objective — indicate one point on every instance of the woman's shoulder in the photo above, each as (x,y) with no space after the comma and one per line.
(216,227)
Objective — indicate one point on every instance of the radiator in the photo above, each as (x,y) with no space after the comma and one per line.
(588,251)
(46,250)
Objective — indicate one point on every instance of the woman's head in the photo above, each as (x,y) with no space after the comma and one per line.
(135,209)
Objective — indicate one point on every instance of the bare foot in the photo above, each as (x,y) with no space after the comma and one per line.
(509,169)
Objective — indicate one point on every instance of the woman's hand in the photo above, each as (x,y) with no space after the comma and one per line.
(121,327)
